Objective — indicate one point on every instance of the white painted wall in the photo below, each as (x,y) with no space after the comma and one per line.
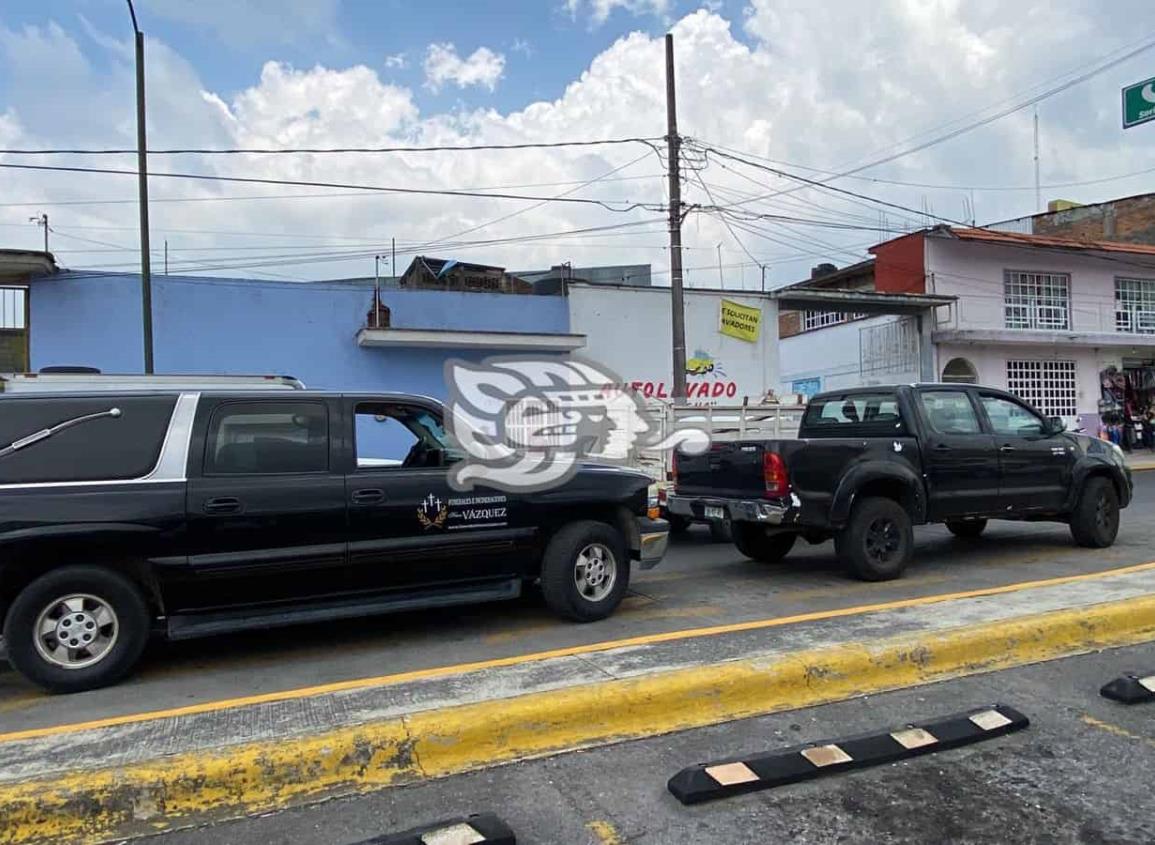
(831,355)
(628,330)
(974,273)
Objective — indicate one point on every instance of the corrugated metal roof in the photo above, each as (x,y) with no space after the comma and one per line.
(1016,239)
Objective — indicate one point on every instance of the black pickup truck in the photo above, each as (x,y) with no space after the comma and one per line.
(869,463)
(185,514)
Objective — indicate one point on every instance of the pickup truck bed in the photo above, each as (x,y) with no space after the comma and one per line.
(871,462)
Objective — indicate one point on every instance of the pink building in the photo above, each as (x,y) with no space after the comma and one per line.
(1040,316)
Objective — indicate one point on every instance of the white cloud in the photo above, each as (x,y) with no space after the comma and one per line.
(521,45)
(442,64)
(600,10)
(396,61)
(817,85)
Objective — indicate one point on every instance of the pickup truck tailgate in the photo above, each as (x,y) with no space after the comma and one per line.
(725,469)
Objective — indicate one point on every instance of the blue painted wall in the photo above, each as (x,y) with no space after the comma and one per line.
(204,325)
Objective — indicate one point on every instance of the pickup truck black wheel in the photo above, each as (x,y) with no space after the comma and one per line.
(968,529)
(721,531)
(77,628)
(585,571)
(1095,520)
(756,542)
(876,544)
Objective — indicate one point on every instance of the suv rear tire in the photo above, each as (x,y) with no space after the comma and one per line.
(967,529)
(754,541)
(585,571)
(1095,520)
(877,543)
(77,628)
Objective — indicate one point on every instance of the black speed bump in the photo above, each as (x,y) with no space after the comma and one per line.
(708,781)
(1130,689)
(471,830)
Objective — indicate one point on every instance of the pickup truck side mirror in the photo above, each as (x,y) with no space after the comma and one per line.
(1055,425)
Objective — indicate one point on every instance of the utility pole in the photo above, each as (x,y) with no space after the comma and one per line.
(678,310)
(376,291)
(142,181)
(1038,194)
(166,256)
(763,266)
(721,279)
(42,221)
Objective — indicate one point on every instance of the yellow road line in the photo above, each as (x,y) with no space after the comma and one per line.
(197,787)
(1117,731)
(592,648)
(605,832)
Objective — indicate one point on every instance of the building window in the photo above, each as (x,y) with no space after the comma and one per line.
(821,319)
(1037,300)
(1135,305)
(1051,386)
(960,371)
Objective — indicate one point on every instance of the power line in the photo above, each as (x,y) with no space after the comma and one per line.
(1143,46)
(330,256)
(254,180)
(327,150)
(822,186)
(326,195)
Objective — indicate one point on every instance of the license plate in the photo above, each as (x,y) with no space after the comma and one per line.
(713,512)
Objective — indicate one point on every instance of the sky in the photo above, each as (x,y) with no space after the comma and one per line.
(771,93)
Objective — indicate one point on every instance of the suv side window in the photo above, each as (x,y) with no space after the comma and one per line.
(268,438)
(407,436)
(1011,419)
(101,449)
(950,412)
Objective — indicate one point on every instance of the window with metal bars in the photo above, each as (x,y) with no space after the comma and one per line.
(1135,305)
(1037,300)
(1051,386)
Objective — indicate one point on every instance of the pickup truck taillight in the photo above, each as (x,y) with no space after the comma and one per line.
(775,476)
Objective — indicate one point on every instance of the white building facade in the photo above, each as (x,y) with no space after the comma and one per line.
(1040,317)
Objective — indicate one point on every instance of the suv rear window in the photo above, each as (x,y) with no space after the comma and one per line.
(854,414)
(106,448)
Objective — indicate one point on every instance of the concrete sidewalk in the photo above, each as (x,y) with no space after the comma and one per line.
(153,772)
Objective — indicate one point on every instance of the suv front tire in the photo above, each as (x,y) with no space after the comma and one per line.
(585,571)
(77,628)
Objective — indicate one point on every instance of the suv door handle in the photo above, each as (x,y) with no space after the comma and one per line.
(222,505)
(941,447)
(370,496)
(1006,448)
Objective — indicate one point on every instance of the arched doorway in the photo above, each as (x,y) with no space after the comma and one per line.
(960,371)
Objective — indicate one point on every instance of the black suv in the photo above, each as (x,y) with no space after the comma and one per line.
(188,514)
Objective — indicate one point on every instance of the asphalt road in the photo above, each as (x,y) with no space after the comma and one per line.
(1080,774)
(699,584)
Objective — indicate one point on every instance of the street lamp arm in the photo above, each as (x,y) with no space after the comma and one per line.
(132,12)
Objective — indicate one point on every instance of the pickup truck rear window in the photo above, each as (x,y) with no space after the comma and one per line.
(102,448)
(851,415)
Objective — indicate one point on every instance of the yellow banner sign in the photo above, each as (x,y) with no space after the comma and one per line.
(740,321)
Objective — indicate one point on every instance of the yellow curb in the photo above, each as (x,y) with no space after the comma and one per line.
(269,775)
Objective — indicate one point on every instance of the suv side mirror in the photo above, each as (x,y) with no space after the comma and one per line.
(1055,425)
